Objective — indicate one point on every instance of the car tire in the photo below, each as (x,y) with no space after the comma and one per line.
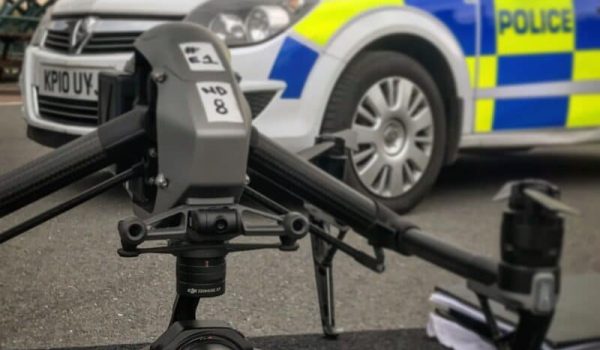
(400,149)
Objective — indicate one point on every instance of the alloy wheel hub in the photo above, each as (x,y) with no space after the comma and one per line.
(394,128)
(393,138)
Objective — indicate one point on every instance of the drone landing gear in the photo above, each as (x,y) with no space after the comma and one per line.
(325,292)
(330,155)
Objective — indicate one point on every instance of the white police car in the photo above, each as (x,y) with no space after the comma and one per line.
(415,79)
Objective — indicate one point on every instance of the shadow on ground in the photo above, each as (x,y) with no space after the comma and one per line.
(373,340)
(561,164)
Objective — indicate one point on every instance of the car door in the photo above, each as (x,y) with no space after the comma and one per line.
(584,103)
(538,65)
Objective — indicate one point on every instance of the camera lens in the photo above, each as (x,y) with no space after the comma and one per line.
(201,277)
(210,342)
(206,346)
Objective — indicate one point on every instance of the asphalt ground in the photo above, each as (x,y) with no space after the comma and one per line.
(63,285)
(9,94)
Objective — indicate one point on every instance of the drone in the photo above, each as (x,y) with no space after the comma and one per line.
(196,169)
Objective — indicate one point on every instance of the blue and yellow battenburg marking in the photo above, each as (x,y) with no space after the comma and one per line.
(293,66)
(296,59)
(538,41)
(522,42)
(321,25)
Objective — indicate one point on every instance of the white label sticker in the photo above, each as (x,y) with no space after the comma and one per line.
(219,102)
(202,56)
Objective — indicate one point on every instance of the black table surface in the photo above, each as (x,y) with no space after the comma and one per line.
(413,339)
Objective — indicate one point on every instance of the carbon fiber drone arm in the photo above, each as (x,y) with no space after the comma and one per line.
(380,225)
(116,142)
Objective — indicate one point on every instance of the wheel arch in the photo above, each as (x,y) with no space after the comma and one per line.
(427,40)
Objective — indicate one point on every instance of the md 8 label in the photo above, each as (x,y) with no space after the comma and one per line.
(219,102)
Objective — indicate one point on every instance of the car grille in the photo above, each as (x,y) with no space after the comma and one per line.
(57,40)
(68,111)
(258,101)
(85,113)
(99,43)
(110,42)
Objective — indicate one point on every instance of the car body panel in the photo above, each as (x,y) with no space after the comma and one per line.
(509,83)
(408,21)
(539,73)
(129,7)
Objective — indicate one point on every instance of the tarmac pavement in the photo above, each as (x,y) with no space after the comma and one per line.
(63,285)
(9,94)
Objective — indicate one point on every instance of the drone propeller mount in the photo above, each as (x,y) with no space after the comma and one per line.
(532,192)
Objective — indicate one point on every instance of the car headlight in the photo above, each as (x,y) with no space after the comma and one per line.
(41,29)
(230,28)
(246,22)
(264,21)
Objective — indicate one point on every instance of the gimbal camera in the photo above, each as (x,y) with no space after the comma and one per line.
(196,169)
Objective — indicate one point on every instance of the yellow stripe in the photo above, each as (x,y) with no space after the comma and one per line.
(484,108)
(487,74)
(523,26)
(586,65)
(330,15)
(471,65)
(584,111)
(488,71)
(484,116)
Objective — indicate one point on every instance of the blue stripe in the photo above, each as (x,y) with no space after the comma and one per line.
(293,65)
(588,24)
(457,15)
(530,113)
(488,27)
(534,68)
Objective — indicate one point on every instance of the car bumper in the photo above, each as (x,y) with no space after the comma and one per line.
(34,58)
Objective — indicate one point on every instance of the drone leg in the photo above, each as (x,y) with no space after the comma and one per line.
(184,308)
(325,291)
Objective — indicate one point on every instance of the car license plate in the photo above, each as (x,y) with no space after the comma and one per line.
(65,82)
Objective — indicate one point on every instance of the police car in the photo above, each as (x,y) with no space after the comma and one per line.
(416,80)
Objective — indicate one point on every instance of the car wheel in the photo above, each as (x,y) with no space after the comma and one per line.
(397,113)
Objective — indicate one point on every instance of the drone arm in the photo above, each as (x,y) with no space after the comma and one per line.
(380,225)
(458,261)
(310,183)
(108,145)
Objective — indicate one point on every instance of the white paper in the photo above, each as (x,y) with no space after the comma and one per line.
(455,336)
(201,56)
(219,102)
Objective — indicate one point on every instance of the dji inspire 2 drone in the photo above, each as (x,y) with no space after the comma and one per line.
(190,157)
